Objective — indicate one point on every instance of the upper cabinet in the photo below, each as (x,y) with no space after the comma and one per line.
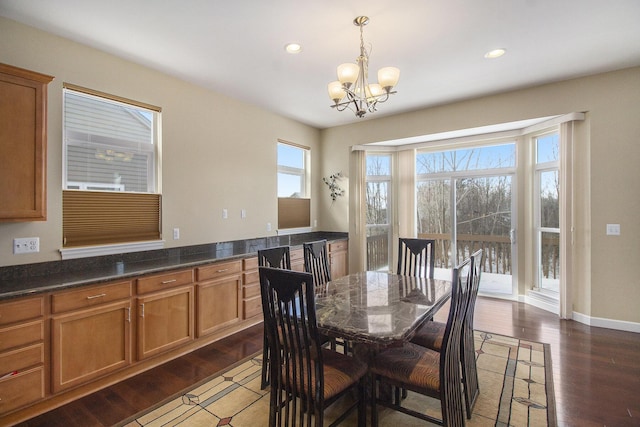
(23,144)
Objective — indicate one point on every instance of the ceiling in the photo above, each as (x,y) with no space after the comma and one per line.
(237,47)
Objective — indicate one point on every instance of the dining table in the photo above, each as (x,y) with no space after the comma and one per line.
(377,309)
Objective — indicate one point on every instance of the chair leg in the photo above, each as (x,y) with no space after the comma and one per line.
(373,401)
(362,402)
(264,383)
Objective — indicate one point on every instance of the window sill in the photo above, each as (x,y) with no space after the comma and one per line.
(120,248)
(288,231)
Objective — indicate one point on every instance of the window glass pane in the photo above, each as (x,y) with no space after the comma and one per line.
(549,199)
(433,203)
(292,171)
(378,165)
(290,156)
(377,202)
(549,261)
(547,148)
(289,185)
(109,145)
(465,159)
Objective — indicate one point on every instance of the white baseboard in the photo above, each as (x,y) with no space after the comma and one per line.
(540,301)
(621,325)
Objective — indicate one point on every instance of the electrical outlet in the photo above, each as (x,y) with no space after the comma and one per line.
(26,245)
(243,213)
(268,226)
(225,214)
(613,229)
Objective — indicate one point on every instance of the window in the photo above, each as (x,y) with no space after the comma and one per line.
(292,170)
(110,169)
(294,204)
(378,196)
(547,211)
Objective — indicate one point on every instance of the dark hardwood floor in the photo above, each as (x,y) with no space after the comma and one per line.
(596,371)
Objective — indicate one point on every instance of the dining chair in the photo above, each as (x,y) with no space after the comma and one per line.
(416,257)
(316,262)
(425,371)
(430,335)
(276,257)
(306,377)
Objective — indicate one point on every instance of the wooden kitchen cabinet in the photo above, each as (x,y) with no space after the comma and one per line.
(297,260)
(23,144)
(22,347)
(218,296)
(90,333)
(339,258)
(165,319)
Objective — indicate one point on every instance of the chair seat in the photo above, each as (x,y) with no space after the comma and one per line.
(340,373)
(411,365)
(430,335)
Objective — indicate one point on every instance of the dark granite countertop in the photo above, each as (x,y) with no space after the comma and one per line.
(30,279)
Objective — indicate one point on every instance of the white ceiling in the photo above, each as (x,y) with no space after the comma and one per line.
(237,47)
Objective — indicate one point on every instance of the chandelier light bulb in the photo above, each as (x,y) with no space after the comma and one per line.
(348,73)
(388,77)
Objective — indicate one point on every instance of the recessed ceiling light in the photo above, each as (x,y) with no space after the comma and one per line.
(495,53)
(293,48)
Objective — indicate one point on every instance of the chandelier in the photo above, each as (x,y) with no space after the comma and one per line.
(352,89)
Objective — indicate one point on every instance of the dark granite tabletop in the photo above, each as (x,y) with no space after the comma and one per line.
(30,279)
(377,308)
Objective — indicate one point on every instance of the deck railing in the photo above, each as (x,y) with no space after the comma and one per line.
(497,252)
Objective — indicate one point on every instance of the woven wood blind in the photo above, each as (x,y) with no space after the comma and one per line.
(99,217)
(293,212)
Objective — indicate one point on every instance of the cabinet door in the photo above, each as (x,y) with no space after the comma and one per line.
(165,321)
(339,260)
(218,304)
(90,343)
(23,144)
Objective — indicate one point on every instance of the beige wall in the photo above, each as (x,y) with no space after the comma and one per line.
(607,182)
(217,152)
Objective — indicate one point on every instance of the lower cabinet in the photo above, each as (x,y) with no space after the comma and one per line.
(339,258)
(90,343)
(165,320)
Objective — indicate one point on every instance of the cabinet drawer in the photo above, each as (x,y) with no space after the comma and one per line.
(218,270)
(22,358)
(88,297)
(252,307)
(26,333)
(160,282)
(251,291)
(340,245)
(250,263)
(31,386)
(23,309)
(251,278)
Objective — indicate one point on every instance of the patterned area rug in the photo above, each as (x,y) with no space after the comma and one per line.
(515,390)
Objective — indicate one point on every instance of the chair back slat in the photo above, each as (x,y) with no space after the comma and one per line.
(416,257)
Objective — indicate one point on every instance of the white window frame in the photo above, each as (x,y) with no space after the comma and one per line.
(302,173)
